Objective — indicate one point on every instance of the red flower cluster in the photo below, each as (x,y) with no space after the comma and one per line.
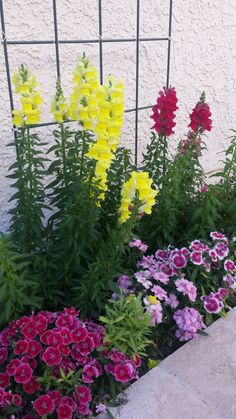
(61,344)
(200,118)
(164,111)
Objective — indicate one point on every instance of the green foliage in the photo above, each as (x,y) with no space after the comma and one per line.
(172,213)
(98,281)
(28,171)
(127,325)
(118,173)
(18,292)
(155,160)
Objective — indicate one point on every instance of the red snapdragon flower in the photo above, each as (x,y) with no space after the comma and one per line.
(200,117)
(164,111)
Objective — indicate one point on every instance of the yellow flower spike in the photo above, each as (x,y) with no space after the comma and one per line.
(59,107)
(139,185)
(25,85)
(85,82)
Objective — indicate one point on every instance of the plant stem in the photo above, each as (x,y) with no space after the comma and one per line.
(83,135)
(63,150)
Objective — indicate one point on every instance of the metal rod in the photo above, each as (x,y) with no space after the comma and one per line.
(84,41)
(54,3)
(100,40)
(4,42)
(46,124)
(137,83)
(169,44)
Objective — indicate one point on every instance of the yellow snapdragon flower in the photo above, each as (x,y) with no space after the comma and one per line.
(109,121)
(83,102)
(152,299)
(25,85)
(138,186)
(59,106)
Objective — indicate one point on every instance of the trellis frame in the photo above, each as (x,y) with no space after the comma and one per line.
(100,41)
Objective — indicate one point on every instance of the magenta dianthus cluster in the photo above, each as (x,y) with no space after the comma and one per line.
(49,362)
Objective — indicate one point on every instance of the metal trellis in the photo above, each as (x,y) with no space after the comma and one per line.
(100,41)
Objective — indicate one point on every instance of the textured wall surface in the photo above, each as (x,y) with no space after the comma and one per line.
(203,57)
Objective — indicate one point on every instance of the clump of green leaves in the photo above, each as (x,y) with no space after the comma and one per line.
(28,171)
(127,324)
(18,291)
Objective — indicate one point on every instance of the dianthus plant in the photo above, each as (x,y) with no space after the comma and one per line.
(184,289)
(54,365)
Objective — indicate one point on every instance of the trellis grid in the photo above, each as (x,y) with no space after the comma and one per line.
(100,41)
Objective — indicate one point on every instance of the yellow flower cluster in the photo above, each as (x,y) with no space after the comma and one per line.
(59,106)
(83,101)
(138,186)
(30,98)
(110,100)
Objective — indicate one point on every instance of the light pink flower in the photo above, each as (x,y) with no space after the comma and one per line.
(160,293)
(161,277)
(173,301)
(187,288)
(143,278)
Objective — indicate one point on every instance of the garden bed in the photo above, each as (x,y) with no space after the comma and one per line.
(197,381)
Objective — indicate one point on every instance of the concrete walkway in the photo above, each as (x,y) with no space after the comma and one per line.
(198,381)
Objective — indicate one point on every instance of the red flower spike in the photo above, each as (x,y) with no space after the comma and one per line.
(164,112)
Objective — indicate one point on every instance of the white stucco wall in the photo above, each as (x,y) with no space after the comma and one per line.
(203,57)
